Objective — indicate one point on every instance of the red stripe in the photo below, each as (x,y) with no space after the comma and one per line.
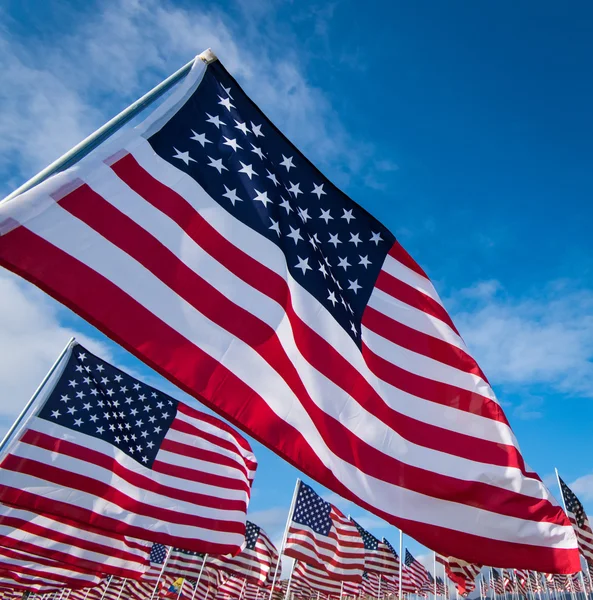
(136,480)
(419,342)
(132,326)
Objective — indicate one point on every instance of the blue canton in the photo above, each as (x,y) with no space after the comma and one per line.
(158,553)
(370,541)
(99,400)
(312,511)
(251,535)
(333,247)
(390,547)
(410,560)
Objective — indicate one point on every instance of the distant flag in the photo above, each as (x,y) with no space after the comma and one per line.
(497,582)
(483,588)
(63,540)
(370,586)
(508,582)
(257,560)
(106,449)
(174,588)
(308,577)
(579,521)
(379,557)
(417,572)
(320,535)
(205,229)
(459,572)
(185,563)
(440,586)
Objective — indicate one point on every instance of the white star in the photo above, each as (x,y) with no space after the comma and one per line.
(295,235)
(79,368)
(227,90)
(353,328)
(272,177)
(354,285)
(226,103)
(274,226)
(314,240)
(200,137)
(82,356)
(376,237)
(318,191)
(232,195)
(184,156)
(100,368)
(333,239)
(286,204)
(364,261)
(55,414)
(117,378)
(100,430)
(325,216)
(287,162)
(217,164)
(295,189)
(232,143)
(262,197)
(304,214)
(78,422)
(348,215)
(80,395)
(303,264)
(65,398)
(343,262)
(87,406)
(242,126)
(215,121)
(256,129)
(355,239)
(158,429)
(258,151)
(322,269)
(72,383)
(332,298)
(247,169)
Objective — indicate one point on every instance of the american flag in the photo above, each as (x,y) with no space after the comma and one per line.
(417,572)
(307,577)
(508,582)
(184,563)
(257,560)
(238,588)
(497,583)
(440,586)
(483,588)
(370,586)
(459,572)
(379,557)
(319,534)
(66,541)
(106,449)
(206,229)
(579,520)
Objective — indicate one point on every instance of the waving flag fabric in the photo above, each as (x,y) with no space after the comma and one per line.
(579,520)
(419,576)
(205,243)
(320,535)
(497,582)
(63,540)
(379,557)
(257,560)
(105,449)
(307,577)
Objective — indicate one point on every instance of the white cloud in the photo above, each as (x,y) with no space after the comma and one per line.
(544,338)
(583,487)
(32,339)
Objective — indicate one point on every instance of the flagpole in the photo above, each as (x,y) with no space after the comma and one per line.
(105,590)
(379,592)
(401,558)
(341,589)
(112,126)
(123,585)
(200,577)
(566,512)
(158,581)
(434,557)
(287,594)
(285,536)
(36,393)
(243,588)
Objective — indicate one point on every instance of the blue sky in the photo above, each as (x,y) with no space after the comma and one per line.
(465,127)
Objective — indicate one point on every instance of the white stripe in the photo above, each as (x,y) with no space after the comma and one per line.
(78,240)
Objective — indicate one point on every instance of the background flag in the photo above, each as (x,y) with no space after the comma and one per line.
(579,521)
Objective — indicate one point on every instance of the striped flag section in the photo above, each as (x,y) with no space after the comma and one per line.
(379,557)
(461,573)
(207,245)
(497,582)
(579,521)
(320,535)
(417,572)
(103,448)
(257,560)
(63,540)
(309,578)
(238,588)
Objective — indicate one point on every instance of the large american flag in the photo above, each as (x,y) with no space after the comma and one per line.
(320,535)
(104,448)
(579,520)
(257,560)
(206,244)
(379,557)
(66,541)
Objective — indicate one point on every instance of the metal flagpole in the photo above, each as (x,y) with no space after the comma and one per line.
(583,584)
(491,579)
(435,573)
(341,589)
(243,588)
(200,577)
(92,141)
(36,393)
(288,521)
(158,581)
(401,562)
(123,585)
(287,594)
(564,505)
(105,590)
(589,577)
(379,592)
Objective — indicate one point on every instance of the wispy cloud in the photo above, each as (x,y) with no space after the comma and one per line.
(544,338)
